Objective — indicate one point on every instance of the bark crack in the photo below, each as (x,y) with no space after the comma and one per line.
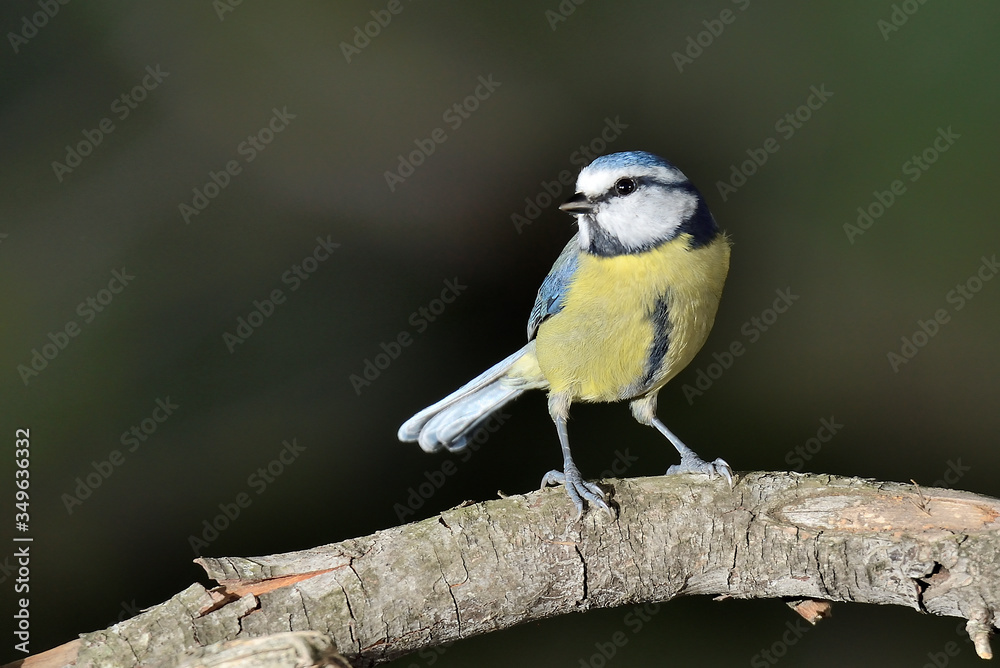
(352,620)
(454,601)
(937,576)
(350,564)
(465,567)
(489,534)
(305,609)
(583,574)
(819,564)
(248,612)
(131,648)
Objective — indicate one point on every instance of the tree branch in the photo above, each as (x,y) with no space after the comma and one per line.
(492,565)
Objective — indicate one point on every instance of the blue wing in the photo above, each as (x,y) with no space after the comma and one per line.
(554,287)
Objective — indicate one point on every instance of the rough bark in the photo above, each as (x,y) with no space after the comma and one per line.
(491,565)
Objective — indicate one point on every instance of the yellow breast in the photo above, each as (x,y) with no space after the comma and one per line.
(598,346)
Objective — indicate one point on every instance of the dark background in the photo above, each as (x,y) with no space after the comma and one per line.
(127,545)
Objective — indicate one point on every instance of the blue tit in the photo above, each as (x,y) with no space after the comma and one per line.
(626,306)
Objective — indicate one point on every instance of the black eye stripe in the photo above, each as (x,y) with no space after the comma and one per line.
(643,181)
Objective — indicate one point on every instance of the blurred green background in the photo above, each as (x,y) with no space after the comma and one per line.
(223,70)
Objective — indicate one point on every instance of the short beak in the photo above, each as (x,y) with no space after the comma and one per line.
(576,204)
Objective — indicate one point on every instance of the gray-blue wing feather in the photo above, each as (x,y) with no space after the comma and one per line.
(550,296)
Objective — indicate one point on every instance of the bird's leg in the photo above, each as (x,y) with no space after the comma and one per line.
(644,410)
(570,478)
(692,463)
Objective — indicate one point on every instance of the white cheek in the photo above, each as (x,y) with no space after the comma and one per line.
(647,217)
(584,225)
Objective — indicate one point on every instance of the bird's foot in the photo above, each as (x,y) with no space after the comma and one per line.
(578,489)
(696,464)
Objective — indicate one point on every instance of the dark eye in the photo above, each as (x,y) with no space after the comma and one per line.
(624,186)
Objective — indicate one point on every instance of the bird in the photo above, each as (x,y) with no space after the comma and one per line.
(626,306)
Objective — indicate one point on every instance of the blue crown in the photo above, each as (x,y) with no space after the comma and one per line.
(630,159)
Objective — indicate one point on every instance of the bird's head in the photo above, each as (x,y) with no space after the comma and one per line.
(632,202)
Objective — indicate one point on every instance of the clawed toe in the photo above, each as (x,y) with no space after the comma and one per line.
(713,469)
(579,490)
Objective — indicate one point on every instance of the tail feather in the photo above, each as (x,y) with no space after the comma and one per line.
(449,422)
(450,427)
